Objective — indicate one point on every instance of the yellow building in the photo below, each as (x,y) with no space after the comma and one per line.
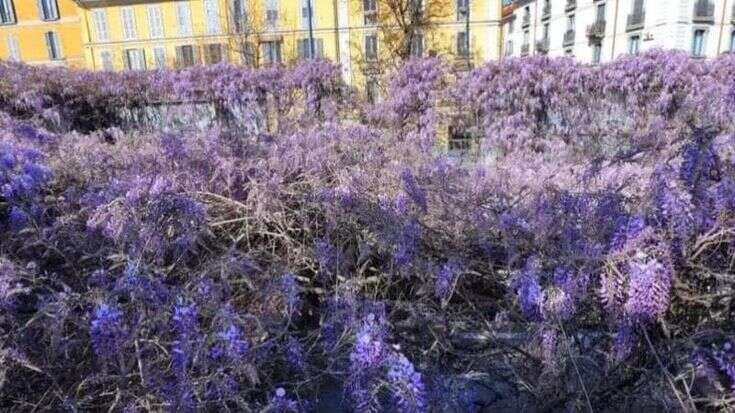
(366,37)
(41,32)
(361,35)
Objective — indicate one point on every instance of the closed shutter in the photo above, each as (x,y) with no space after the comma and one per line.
(155,21)
(128,22)
(100,25)
(211,13)
(13,49)
(319,48)
(183,18)
(159,57)
(106,58)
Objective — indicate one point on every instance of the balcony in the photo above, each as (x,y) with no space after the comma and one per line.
(704,12)
(546,11)
(542,46)
(571,5)
(596,31)
(636,20)
(569,37)
(462,63)
(526,20)
(524,49)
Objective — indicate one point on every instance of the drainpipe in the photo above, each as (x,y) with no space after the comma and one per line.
(311,30)
(467,27)
(615,29)
(722,28)
(535,19)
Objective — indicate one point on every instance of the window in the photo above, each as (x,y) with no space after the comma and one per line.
(698,43)
(526,37)
(462,44)
(463,9)
(248,54)
(100,25)
(371,90)
(48,9)
(271,52)
(596,53)
(106,59)
(134,59)
(307,13)
(7,13)
(511,26)
(53,45)
(371,47)
(460,140)
(159,57)
(239,16)
(13,48)
(732,42)
(304,50)
(570,22)
(183,18)
(186,56)
(509,47)
(155,22)
(271,14)
(213,54)
(546,31)
(211,15)
(417,45)
(601,12)
(634,44)
(370,11)
(127,15)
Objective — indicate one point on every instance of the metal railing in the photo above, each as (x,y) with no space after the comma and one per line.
(596,30)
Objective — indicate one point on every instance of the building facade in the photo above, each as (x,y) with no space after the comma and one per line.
(596,31)
(41,32)
(366,37)
(140,34)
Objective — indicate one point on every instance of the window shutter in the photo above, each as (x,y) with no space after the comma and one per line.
(197,53)
(320,48)
(126,59)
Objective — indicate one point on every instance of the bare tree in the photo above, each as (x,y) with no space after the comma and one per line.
(246,25)
(403,25)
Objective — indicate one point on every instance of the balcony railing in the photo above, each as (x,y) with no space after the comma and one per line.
(524,49)
(526,20)
(571,5)
(704,12)
(542,46)
(546,11)
(569,37)
(636,20)
(596,31)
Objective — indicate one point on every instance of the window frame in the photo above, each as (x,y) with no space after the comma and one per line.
(10,17)
(43,10)
(53,45)
(127,19)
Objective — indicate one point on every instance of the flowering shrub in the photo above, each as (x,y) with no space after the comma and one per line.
(340,263)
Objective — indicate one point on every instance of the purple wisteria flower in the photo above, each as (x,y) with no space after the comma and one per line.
(107,330)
